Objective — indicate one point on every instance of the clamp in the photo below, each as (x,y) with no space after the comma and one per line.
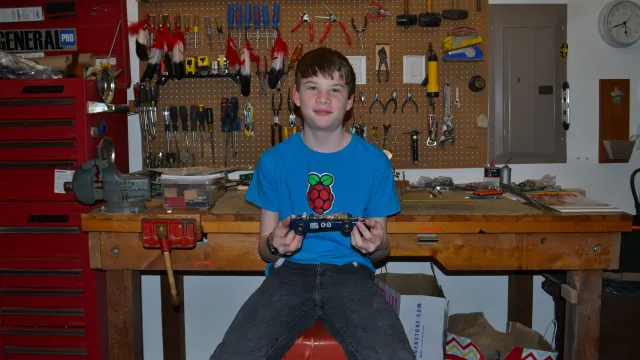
(392,100)
(376,11)
(377,100)
(360,32)
(276,127)
(333,19)
(409,100)
(384,62)
(304,18)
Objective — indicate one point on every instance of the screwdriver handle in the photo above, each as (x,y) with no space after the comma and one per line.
(238,16)
(230,16)
(209,119)
(275,19)
(173,113)
(201,116)
(184,117)
(247,15)
(256,16)
(193,115)
(265,16)
(167,120)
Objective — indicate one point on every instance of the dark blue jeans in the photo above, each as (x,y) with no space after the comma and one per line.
(291,299)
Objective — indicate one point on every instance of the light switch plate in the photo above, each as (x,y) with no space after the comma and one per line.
(359,64)
(414,69)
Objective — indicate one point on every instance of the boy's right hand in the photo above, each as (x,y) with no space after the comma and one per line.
(285,240)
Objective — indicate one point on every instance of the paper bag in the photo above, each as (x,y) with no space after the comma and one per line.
(471,337)
(422,309)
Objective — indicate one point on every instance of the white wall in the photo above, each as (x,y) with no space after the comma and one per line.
(211,302)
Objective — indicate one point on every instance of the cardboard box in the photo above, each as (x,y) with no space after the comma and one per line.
(423,310)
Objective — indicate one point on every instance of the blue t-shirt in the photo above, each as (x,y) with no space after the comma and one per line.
(357,179)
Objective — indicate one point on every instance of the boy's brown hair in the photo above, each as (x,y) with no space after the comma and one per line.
(326,62)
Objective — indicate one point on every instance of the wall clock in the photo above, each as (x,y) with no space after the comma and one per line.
(619,23)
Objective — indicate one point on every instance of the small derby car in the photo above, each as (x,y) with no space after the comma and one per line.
(306,223)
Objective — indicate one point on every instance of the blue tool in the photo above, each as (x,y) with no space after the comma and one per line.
(265,21)
(275,20)
(239,22)
(256,23)
(471,53)
(230,17)
(247,19)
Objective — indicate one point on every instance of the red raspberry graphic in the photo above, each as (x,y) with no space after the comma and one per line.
(319,194)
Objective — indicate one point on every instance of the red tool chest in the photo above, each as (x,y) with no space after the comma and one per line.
(52,305)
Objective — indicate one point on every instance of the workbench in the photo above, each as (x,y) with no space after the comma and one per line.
(487,236)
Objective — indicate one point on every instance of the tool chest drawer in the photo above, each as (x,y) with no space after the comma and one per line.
(46,133)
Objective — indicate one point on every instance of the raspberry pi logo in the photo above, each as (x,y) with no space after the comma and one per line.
(319,193)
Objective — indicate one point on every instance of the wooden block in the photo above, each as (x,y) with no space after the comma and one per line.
(569,294)
(190,194)
(170,192)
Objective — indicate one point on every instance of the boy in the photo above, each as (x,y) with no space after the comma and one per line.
(321,170)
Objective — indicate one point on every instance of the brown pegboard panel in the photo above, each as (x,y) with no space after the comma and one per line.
(470,147)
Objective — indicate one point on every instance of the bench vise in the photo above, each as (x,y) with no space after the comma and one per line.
(100,180)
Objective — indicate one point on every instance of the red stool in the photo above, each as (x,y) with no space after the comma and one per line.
(315,343)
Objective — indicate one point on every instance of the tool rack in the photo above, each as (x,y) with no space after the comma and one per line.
(470,147)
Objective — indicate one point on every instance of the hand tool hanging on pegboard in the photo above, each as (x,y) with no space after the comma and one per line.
(304,18)
(375,10)
(177,51)
(275,21)
(447,123)
(333,18)
(265,23)
(248,120)
(292,115)
(430,18)
(193,117)
(415,146)
(207,23)
(409,100)
(256,23)
(188,156)
(276,127)
(202,118)
(239,21)
(406,19)
(208,114)
(360,32)
(293,61)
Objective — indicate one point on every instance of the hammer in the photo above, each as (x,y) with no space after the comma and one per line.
(454,13)
(406,19)
(429,19)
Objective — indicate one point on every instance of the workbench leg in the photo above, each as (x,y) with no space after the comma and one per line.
(173,330)
(520,306)
(582,319)
(124,314)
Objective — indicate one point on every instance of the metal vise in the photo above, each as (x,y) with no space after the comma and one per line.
(100,180)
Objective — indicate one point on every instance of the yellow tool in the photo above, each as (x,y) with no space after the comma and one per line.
(196,22)
(248,119)
(433,88)
(190,65)
(204,66)
(458,42)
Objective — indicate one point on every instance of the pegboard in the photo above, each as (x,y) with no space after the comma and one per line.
(470,147)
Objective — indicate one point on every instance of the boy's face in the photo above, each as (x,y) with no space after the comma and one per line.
(323,101)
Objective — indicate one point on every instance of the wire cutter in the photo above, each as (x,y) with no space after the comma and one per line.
(409,100)
(360,33)
(384,63)
(377,100)
(392,100)
(376,11)
(333,19)
(276,127)
(305,18)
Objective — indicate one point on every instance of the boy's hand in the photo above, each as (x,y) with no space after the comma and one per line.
(368,240)
(285,240)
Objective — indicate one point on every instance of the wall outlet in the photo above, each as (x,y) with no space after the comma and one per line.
(414,69)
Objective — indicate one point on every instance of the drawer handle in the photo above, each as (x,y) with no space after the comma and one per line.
(428,239)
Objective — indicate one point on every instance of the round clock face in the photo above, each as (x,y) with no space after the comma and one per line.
(619,23)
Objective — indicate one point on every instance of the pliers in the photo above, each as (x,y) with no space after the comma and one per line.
(392,100)
(361,98)
(276,127)
(360,33)
(305,18)
(333,19)
(409,100)
(377,100)
(382,54)
(376,11)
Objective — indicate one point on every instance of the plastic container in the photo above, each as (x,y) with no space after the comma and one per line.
(191,192)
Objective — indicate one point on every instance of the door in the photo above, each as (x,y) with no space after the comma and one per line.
(526,74)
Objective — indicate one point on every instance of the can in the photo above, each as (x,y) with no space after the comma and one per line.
(505,175)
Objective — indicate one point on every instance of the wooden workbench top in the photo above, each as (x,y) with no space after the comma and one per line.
(449,213)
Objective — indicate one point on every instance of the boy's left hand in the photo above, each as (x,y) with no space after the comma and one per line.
(368,240)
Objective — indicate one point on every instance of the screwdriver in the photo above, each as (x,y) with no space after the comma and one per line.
(216,22)
(209,33)
(209,120)
(265,22)
(193,116)
(184,117)
(275,20)
(173,112)
(201,115)
(293,61)
(167,127)
(239,22)
(235,124)
(256,23)
(247,20)
(196,21)
(230,18)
